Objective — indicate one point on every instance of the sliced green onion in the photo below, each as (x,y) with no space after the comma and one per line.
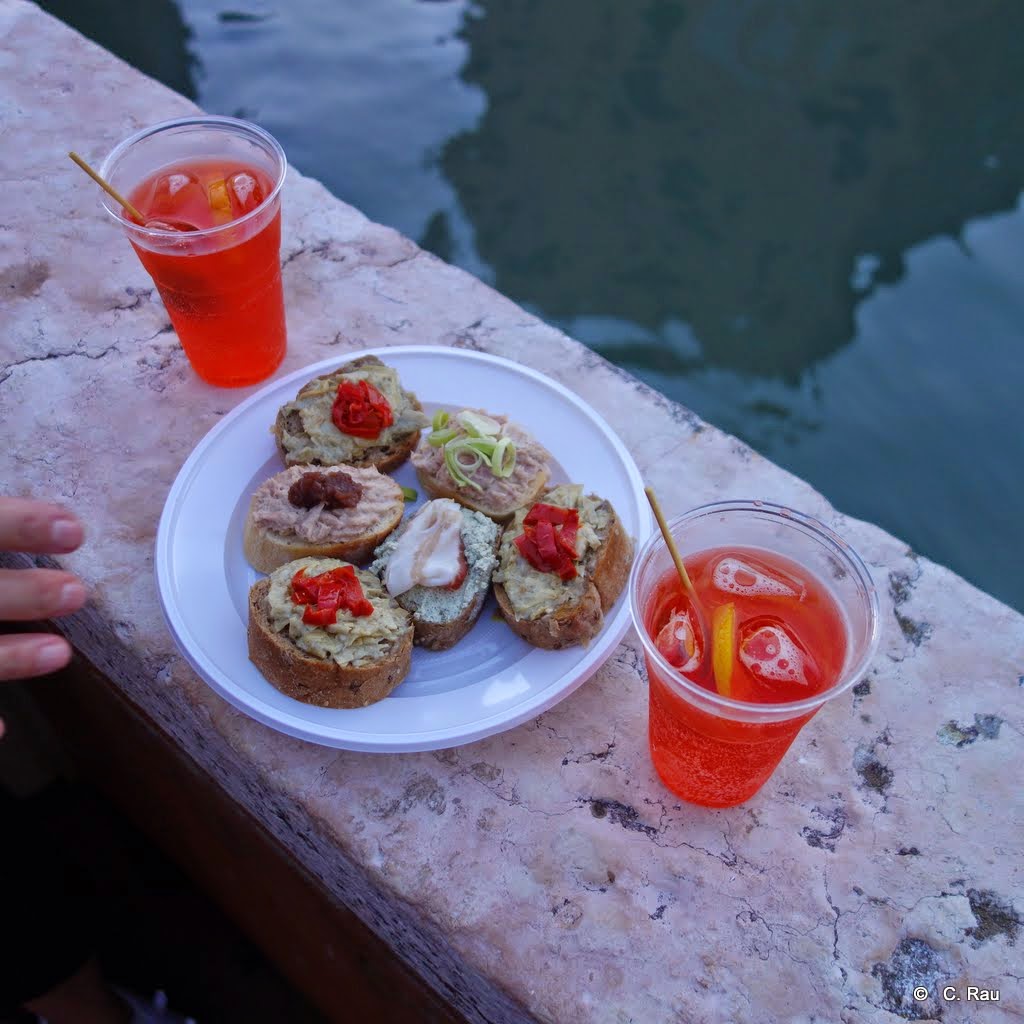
(484,445)
(477,425)
(440,420)
(409,494)
(475,458)
(456,470)
(441,437)
(503,458)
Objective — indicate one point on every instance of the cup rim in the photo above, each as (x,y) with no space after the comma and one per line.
(787,709)
(204,120)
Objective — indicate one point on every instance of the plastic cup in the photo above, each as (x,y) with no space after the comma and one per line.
(717,751)
(221,285)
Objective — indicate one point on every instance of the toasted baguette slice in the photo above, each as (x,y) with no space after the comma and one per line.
(575,613)
(322,681)
(332,447)
(349,534)
(497,498)
(442,617)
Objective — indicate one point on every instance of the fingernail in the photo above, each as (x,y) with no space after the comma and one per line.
(65,533)
(51,656)
(72,595)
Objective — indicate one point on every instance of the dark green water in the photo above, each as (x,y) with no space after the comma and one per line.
(803,220)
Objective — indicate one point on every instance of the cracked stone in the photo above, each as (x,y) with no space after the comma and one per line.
(621,814)
(825,839)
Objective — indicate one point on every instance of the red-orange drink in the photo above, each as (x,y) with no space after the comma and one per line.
(780,642)
(208,189)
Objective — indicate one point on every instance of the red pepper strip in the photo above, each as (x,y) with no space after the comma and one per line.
(544,537)
(461,575)
(566,536)
(361,410)
(321,615)
(541,513)
(548,541)
(529,551)
(351,594)
(304,590)
(323,595)
(568,571)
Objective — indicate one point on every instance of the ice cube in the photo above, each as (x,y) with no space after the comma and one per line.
(168,224)
(171,192)
(773,654)
(749,578)
(679,641)
(245,191)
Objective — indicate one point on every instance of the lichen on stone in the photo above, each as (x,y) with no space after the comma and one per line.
(913,963)
(995,916)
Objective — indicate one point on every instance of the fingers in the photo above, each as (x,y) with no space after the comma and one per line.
(27,594)
(38,527)
(25,655)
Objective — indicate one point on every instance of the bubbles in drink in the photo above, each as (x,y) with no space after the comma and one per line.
(171,193)
(748,578)
(245,191)
(773,654)
(679,641)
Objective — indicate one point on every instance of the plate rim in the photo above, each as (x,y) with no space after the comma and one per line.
(372,742)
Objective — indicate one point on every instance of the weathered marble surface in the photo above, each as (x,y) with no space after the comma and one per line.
(543,873)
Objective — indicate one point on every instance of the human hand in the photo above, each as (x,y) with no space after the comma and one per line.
(28,594)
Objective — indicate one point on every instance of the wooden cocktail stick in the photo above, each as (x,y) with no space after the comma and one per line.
(107,187)
(684,576)
(671,544)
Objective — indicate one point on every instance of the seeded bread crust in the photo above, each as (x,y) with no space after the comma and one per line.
(384,457)
(266,550)
(439,636)
(607,571)
(318,681)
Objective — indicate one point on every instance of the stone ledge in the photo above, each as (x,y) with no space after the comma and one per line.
(544,873)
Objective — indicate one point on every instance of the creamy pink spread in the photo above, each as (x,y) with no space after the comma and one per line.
(498,492)
(271,510)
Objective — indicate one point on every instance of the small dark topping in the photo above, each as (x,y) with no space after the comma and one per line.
(333,490)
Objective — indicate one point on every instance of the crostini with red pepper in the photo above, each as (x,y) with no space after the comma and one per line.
(562,563)
(326,633)
(357,415)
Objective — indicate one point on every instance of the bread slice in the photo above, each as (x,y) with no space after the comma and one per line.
(603,573)
(436,486)
(441,618)
(321,681)
(267,548)
(335,448)
(499,498)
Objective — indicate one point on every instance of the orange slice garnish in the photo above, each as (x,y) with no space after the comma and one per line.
(723,647)
(220,201)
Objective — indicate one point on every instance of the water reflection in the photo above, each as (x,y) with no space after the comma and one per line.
(151,35)
(744,168)
(777,213)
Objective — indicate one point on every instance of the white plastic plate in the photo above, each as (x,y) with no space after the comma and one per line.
(488,682)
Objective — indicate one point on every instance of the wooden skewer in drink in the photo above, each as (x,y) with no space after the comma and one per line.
(107,187)
(684,576)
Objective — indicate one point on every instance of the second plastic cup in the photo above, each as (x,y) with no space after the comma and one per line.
(714,750)
(218,270)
